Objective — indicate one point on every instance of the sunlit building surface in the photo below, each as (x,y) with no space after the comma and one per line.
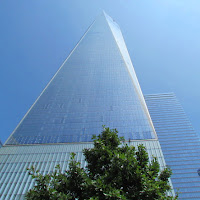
(97,85)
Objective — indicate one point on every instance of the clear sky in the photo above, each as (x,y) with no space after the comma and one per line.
(163,39)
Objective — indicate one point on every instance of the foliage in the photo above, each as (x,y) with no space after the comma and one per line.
(114,171)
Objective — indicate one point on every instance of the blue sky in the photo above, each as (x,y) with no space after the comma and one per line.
(163,39)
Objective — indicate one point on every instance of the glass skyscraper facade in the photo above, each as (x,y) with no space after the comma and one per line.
(96,85)
(179,142)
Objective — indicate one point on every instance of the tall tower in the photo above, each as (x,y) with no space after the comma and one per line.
(96,85)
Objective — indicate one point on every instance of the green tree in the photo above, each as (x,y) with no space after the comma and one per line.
(114,171)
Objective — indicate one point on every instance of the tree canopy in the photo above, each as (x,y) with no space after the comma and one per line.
(114,171)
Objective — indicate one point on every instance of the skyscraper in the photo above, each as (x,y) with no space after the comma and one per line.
(96,85)
(179,142)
